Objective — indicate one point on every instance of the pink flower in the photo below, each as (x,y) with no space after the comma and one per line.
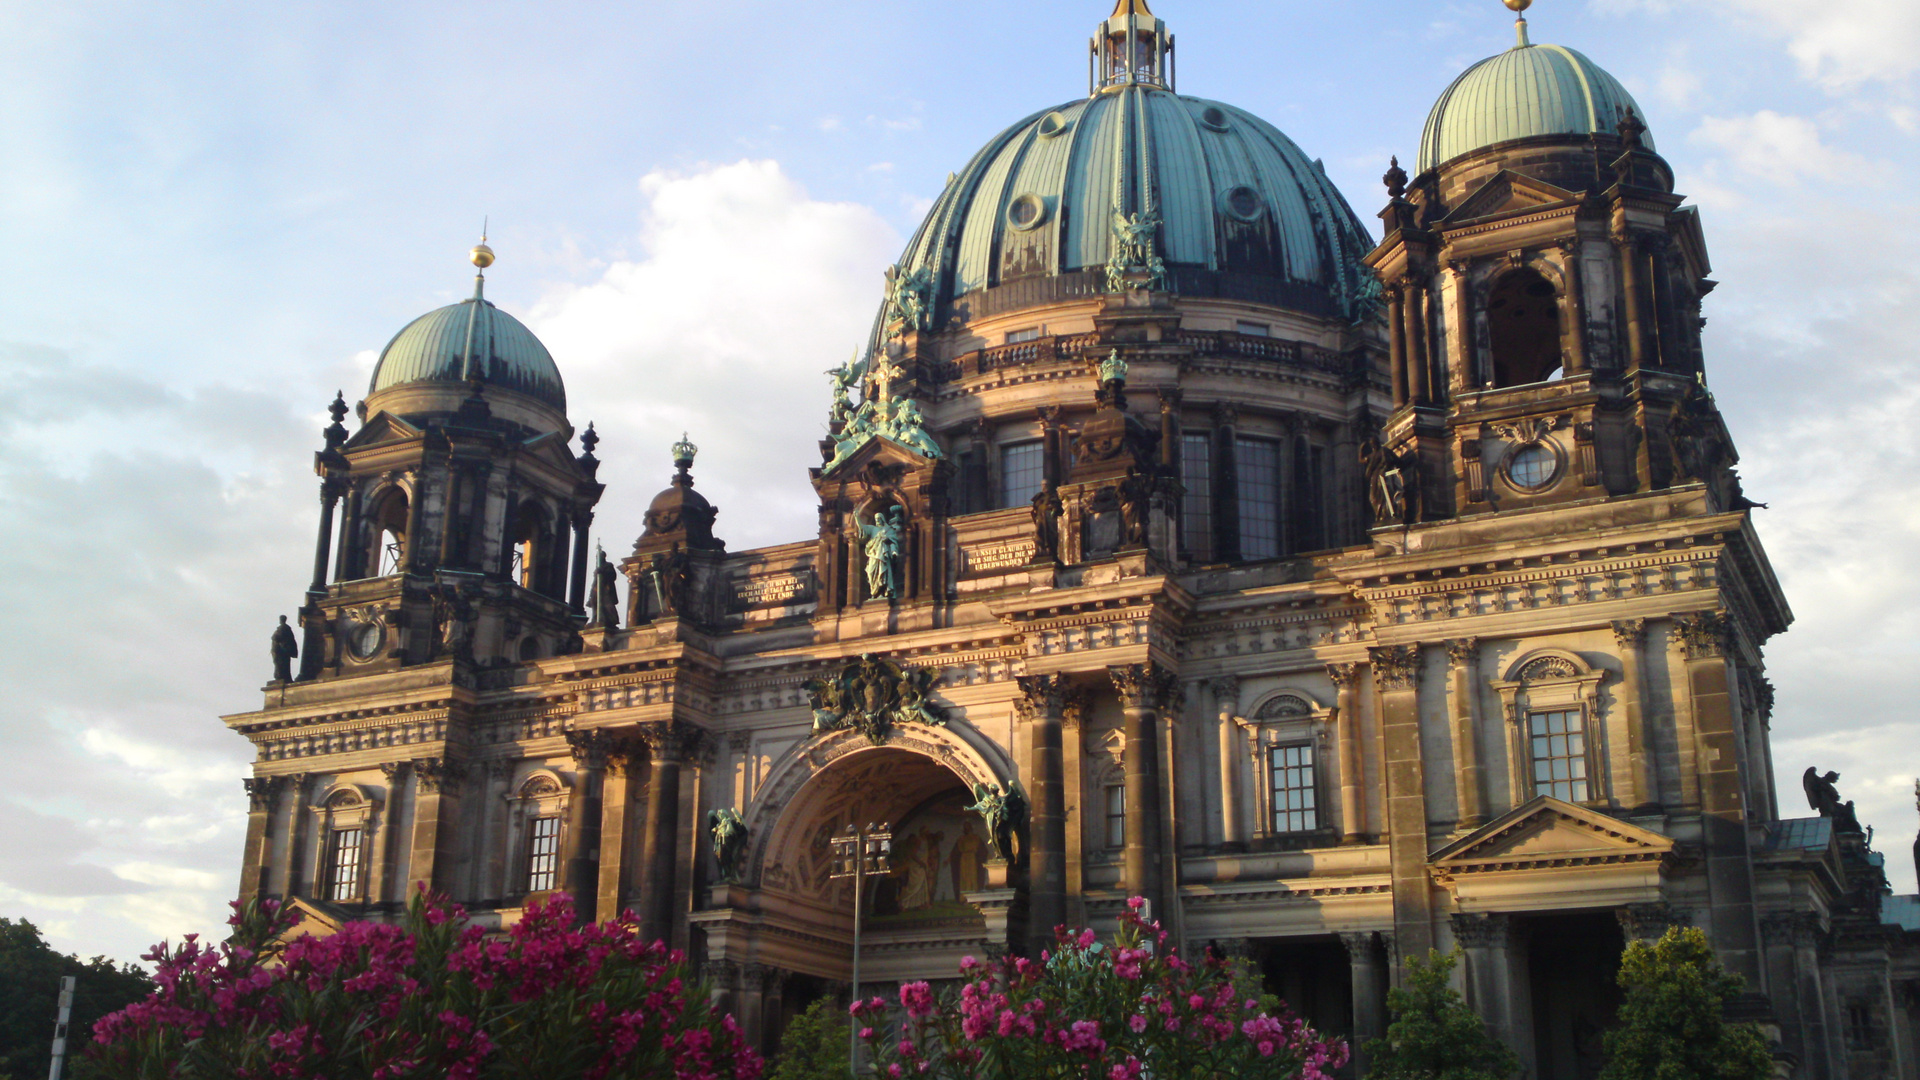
(1137,1022)
(917,999)
(1135,903)
(1086,939)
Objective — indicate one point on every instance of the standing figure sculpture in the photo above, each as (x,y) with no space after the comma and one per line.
(728,832)
(1002,813)
(606,592)
(285,650)
(883,545)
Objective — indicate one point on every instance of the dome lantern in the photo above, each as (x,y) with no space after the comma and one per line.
(1130,48)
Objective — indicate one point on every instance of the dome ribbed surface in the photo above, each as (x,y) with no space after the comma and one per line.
(1243,211)
(433,349)
(1525,92)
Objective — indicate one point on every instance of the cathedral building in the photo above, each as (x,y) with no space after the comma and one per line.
(1344,597)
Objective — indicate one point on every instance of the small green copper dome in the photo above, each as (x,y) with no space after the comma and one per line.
(1525,92)
(435,347)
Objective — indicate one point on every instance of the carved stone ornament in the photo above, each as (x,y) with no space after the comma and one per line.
(261,791)
(591,748)
(1463,652)
(1045,695)
(437,774)
(1395,667)
(1629,633)
(1145,686)
(669,740)
(1703,634)
(1548,667)
(1480,931)
(1648,922)
(1344,676)
(871,695)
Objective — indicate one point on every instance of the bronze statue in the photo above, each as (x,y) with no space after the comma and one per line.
(1047,509)
(1002,812)
(728,832)
(285,649)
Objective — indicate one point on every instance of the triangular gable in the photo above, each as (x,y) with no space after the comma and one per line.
(878,447)
(382,427)
(1508,192)
(312,918)
(1549,832)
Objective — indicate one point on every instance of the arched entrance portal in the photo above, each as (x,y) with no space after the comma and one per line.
(785,937)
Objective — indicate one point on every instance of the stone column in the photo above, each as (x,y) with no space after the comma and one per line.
(380,876)
(1226,482)
(582,841)
(1461,352)
(323,542)
(285,831)
(1142,689)
(577,576)
(254,866)
(1414,310)
(1576,307)
(1226,699)
(614,798)
(436,784)
(1396,681)
(416,513)
(1369,995)
(1643,792)
(669,743)
(750,1002)
(1706,637)
(1170,429)
(1346,710)
(1396,344)
(1489,970)
(1628,253)
(345,547)
(1041,705)
(1463,658)
(1080,806)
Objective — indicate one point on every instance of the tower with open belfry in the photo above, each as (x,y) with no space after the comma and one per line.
(1345,589)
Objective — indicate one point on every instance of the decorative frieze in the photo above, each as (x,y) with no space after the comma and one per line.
(321,743)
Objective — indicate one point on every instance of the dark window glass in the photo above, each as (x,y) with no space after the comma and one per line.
(343,873)
(1116,815)
(1258,464)
(543,854)
(1559,754)
(1196,473)
(1532,466)
(1294,807)
(1022,473)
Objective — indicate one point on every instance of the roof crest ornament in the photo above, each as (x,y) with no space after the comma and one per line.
(482,257)
(1519,7)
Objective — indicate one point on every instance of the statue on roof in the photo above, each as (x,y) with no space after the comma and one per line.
(1134,264)
(285,650)
(1824,796)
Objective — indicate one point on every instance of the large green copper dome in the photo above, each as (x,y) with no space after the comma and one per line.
(437,346)
(1526,92)
(1240,210)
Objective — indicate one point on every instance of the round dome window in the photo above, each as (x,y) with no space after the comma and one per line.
(1027,212)
(1533,467)
(1054,123)
(1245,203)
(1214,117)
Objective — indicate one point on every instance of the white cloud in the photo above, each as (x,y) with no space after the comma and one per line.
(745,290)
(1770,146)
(1839,44)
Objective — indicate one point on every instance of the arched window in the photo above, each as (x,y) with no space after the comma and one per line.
(1523,326)
(530,547)
(387,529)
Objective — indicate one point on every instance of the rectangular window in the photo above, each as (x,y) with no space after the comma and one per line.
(1253,329)
(1196,514)
(1116,815)
(1015,337)
(1559,754)
(1258,464)
(1294,806)
(1022,473)
(343,869)
(543,854)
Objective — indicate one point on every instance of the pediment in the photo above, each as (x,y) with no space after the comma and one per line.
(878,450)
(1508,192)
(1550,832)
(383,427)
(312,918)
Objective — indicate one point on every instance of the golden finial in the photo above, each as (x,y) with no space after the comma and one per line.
(1518,5)
(482,255)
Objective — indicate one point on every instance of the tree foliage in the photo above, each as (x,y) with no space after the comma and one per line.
(1089,1010)
(814,1046)
(1432,1034)
(429,998)
(30,973)
(1672,1023)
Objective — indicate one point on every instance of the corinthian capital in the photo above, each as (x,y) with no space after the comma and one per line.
(1042,695)
(1395,667)
(1144,686)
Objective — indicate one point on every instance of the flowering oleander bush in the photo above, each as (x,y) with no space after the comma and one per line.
(1087,1010)
(429,998)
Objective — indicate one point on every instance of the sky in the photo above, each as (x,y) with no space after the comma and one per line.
(214,215)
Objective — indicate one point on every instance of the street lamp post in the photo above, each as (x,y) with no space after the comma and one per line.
(858,852)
